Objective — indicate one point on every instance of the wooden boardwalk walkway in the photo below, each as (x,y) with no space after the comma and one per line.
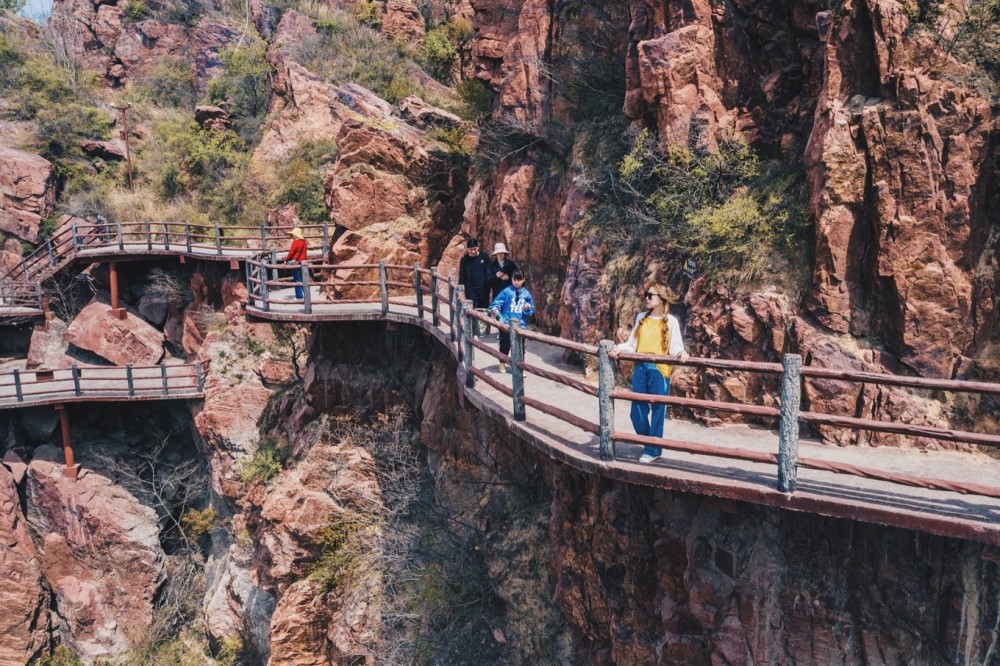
(948,513)
(30,388)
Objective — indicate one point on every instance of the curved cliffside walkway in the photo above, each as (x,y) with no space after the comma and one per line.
(874,500)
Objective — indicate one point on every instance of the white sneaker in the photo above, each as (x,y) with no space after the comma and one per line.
(503,368)
(646,458)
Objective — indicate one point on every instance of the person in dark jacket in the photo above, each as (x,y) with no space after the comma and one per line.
(501,268)
(473,274)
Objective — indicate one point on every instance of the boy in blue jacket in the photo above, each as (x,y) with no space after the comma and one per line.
(514,302)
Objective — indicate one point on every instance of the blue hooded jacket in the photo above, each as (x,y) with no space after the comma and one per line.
(514,303)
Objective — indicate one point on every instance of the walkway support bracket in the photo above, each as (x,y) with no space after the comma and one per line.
(516,371)
(383,287)
(788,428)
(71,470)
(606,404)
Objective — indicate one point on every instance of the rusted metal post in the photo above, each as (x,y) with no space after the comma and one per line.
(71,470)
(306,296)
(113,271)
(467,348)
(516,371)
(218,240)
(76,379)
(17,386)
(163,377)
(788,432)
(124,137)
(418,284)
(128,378)
(606,404)
(435,298)
(383,278)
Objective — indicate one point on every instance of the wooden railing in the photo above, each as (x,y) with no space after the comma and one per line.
(22,388)
(436,298)
(17,295)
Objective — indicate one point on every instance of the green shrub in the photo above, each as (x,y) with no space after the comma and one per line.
(171,83)
(134,11)
(342,544)
(62,656)
(477,98)
(11,6)
(230,651)
(439,52)
(267,461)
(197,523)
(245,85)
(198,160)
(736,217)
(454,138)
(366,12)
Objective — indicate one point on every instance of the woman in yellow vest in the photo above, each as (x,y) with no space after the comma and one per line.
(655,332)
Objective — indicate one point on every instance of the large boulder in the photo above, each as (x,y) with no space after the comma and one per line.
(27,192)
(121,341)
(24,622)
(100,553)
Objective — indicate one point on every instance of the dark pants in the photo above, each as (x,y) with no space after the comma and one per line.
(480,297)
(505,343)
(297,277)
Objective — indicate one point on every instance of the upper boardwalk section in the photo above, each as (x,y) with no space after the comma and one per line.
(30,388)
(572,420)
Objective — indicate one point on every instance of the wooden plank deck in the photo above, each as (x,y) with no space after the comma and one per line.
(820,492)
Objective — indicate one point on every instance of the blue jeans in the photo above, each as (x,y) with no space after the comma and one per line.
(647,418)
(297,277)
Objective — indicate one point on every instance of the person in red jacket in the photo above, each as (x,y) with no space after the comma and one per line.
(296,257)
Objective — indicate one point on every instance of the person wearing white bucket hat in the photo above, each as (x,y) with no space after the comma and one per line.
(500,270)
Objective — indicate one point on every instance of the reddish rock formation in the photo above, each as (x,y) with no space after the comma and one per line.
(402,20)
(121,341)
(27,192)
(48,346)
(24,623)
(106,150)
(100,554)
(211,117)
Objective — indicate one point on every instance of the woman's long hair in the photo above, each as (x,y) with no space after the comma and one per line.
(668,297)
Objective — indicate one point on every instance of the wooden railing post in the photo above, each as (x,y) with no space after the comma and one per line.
(187,235)
(274,260)
(17,386)
(76,379)
(516,371)
(24,267)
(163,377)
(149,236)
(52,254)
(263,238)
(435,299)
(218,240)
(128,378)
(788,433)
(39,295)
(306,297)
(76,237)
(606,404)
(418,284)
(326,240)
(199,376)
(121,238)
(383,278)
(166,236)
(467,348)
(456,295)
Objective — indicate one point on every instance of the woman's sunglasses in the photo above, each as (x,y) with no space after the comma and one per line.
(651,294)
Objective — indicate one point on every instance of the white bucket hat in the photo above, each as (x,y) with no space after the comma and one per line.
(500,248)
